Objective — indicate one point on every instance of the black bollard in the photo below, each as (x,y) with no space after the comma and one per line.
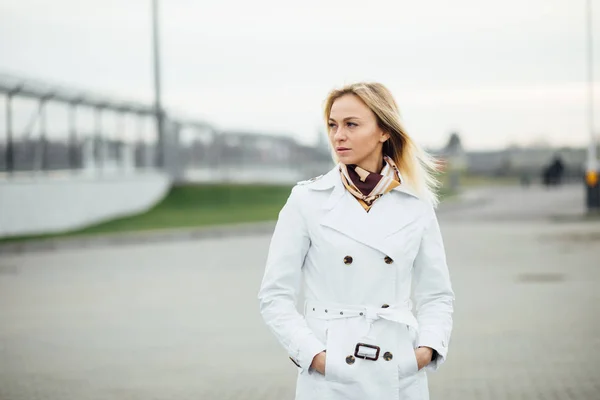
(592,184)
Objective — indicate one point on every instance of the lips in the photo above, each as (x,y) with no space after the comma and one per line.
(341,149)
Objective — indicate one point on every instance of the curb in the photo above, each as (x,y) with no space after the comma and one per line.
(154,236)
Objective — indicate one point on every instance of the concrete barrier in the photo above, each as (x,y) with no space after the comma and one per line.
(58,202)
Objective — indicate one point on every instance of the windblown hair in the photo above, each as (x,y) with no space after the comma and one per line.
(416,166)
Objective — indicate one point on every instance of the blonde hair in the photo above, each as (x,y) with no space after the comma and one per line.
(416,166)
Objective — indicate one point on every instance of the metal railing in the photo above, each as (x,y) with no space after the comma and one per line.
(51,128)
(86,141)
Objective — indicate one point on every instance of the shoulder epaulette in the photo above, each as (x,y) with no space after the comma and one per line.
(311,180)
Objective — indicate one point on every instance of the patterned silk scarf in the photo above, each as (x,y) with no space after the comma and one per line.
(368,186)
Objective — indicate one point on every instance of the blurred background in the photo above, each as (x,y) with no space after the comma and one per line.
(146,148)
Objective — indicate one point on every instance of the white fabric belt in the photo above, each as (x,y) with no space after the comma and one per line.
(399,314)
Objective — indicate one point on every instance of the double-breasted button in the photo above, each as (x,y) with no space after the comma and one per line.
(387,356)
(385,306)
(388,260)
(348,260)
(350,360)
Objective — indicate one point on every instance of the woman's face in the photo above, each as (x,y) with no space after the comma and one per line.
(355,134)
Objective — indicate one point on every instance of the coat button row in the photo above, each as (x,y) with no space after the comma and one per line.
(387,356)
(348,260)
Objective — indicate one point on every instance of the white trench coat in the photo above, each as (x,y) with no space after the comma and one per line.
(357,270)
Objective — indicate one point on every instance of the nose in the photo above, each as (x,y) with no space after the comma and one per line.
(339,135)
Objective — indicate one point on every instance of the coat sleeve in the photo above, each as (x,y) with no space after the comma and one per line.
(282,276)
(433,295)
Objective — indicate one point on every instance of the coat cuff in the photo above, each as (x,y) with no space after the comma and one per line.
(436,342)
(305,351)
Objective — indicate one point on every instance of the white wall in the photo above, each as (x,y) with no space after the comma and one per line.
(50,203)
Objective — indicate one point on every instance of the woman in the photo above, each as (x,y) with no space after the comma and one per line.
(358,239)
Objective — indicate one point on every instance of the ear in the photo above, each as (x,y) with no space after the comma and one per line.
(385,136)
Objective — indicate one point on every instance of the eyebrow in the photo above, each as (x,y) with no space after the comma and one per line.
(345,119)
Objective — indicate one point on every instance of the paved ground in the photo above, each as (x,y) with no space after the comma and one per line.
(179,320)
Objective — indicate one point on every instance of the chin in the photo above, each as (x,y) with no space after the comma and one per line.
(347,159)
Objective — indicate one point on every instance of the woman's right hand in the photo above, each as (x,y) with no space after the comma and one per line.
(318,363)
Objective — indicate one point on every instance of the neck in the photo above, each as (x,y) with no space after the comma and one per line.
(374,165)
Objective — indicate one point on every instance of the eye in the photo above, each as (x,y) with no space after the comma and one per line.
(351,124)
(331,125)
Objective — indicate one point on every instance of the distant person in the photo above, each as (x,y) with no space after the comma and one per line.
(553,173)
(355,239)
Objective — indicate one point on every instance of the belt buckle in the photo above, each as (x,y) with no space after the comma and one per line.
(364,356)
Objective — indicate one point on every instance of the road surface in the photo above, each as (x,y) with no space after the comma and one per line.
(179,320)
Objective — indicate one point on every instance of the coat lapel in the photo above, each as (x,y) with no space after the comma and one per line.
(344,214)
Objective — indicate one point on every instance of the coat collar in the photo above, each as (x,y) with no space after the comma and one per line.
(332,179)
(344,214)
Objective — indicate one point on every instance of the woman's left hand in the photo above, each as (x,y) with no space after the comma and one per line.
(423,355)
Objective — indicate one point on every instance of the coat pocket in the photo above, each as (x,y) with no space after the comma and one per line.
(339,348)
(407,360)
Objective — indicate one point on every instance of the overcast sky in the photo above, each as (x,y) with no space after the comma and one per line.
(501,72)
